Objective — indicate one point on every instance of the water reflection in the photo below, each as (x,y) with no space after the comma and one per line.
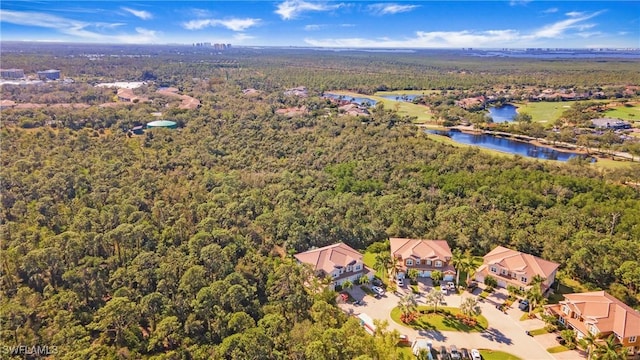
(506,145)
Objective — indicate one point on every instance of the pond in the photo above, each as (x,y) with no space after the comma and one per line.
(504,113)
(402,97)
(506,145)
(354,99)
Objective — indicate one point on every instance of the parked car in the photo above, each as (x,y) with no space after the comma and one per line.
(455,354)
(444,290)
(561,340)
(472,286)
(443,353)
(404,339)
(464,353)
(377,282)
(378,290)
(524,305)
(475,354)
(400,282)
(451,286)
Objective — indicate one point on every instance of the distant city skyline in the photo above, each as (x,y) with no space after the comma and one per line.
(350,24)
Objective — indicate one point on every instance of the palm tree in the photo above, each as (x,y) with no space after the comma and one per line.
(436,276)
(363,280)
(434,297)
(347,284)
(383,263)
(395,266)
(466,265)
(408,305)
(412,274)
(469,306)
(534,295)
(611,349)
(457,259)
(588,343)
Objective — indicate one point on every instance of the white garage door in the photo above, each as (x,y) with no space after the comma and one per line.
(480,278)
(502,283)
(448,277)
(425,273)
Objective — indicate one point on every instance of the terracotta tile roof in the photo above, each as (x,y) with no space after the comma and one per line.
(520,263)
(420,249)
(606,312)
(330,257)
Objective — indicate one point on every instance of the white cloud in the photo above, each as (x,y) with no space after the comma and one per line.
(573,26)
(314,27)
(231,24)
(519,2)
(559,28)
(574,14)
(551,10)
(390,8)
(142,14)
(586,35)
(291,9)
(241,37)
(79,30)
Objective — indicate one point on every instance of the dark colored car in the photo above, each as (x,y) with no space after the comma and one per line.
(443,353)
(472,286)
(464,353)
(524,305)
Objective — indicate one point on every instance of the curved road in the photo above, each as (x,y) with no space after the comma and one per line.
(505,331)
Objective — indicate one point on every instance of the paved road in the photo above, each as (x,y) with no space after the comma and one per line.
(506,332)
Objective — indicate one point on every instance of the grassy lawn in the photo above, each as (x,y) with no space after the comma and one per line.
(497,355)
(544,112)
(537,332)
(369,259)
(444,321)
(555,298)
(525,316)
(569,286)
(404,351)
(557,349)
(613,164)
(421,112)
(406,92)
(631,113)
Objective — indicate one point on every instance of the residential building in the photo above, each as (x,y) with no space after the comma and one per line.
(608,123)
(49,75)
(422,255)
(600,314)
(511,267)
(12,73)
(338,262)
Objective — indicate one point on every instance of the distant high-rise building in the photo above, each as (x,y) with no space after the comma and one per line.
(49,75)
(12,73)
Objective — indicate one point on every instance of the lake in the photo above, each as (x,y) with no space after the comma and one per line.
(403,97)
(492,142)
(503,113)
(353,99)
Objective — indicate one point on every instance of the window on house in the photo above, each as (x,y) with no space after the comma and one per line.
(418,262)
(358,267)
(335,275)
(566,310)
(494,270)
(633,339)
(523,279)
(504,272)
(521,288)
(409,262)
(428,262)
(438,263)
(348,268)
(593,330)
(561,319)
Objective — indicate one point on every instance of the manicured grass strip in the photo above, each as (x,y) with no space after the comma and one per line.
(524,316)
(369,259)
(630,113)
(557,349)
(537,332)
(497,355)
(443,320)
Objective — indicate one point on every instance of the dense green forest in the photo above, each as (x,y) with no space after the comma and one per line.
(173,244)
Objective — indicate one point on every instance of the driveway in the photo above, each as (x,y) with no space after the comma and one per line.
(505,331)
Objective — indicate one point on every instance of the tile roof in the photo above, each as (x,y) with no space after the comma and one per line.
(330,257)
(520,263)
(606,312)
(420,249)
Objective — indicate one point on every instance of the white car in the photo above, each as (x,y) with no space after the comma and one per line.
(475,354)
(451,286)
(444,290)
(378,290)
(400,282)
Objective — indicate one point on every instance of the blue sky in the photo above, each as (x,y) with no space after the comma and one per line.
(389,24)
